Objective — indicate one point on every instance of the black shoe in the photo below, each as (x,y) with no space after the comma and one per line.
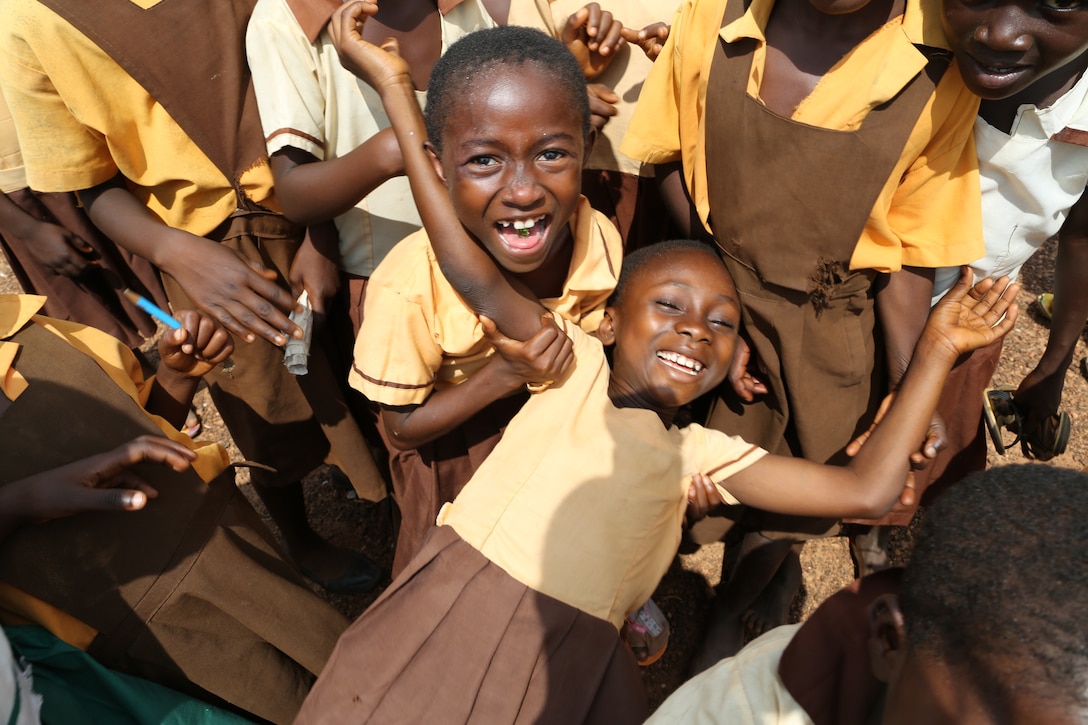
(363,576)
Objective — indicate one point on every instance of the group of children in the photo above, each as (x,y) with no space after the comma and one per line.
(528,356)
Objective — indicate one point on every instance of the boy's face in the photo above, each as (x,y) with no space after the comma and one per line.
(675,329)
(1003,46)
(512,159)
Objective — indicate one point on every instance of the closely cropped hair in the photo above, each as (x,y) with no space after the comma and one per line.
(635,260)
(997,585)
(481,52)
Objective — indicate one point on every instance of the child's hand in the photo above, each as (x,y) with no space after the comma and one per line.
(935,441)
(59,250)
(602,105)
(972,317)
(98,483)
(593,36)
(702,496)
(651,38)
(195,348)
(380,67)
(539,361)
(744,381)
(316,267)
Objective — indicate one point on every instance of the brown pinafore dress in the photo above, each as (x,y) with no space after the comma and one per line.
(189,56)
(189,592)
(788,204)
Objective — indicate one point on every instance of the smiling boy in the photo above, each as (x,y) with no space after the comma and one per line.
(513,172)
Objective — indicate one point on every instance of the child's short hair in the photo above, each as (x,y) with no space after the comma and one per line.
(481,52)
(997,586)
(634,261)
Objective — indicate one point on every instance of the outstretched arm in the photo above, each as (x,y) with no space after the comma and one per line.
(471,271)
(1040,393)
(963,321)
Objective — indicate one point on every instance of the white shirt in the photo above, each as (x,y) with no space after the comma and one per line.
(1029,182)
(308,100)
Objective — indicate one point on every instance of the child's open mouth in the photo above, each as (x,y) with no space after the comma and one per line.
(997,76)
(523,234)
(680,362)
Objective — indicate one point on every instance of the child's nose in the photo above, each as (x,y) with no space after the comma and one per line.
(695,328)
(1004,28)
(522,189)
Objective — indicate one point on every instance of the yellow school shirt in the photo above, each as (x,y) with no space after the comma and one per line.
(82,118)
(928,213)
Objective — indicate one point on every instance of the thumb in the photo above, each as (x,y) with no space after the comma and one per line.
(109,499)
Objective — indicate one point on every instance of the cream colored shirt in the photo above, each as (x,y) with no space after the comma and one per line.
(740,690)
(418,335)
(927,214)
(82,118)
(584,501)
(308,100)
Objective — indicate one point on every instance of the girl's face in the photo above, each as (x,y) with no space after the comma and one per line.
(675,330)
(512,159)
(1003,46)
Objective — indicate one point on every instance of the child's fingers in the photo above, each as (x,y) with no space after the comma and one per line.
(631,35)
(594,16)
(611,38)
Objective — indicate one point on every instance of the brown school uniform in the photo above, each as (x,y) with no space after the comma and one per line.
(189,592)
(291,425)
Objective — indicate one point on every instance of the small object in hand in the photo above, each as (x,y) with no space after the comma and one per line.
(297,352)
(151,308)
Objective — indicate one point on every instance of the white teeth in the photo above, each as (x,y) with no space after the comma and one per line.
(520,224)
(683,361)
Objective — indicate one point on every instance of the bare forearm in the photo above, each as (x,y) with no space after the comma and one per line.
(443,411)
(125,220)
(1070,307)
(171,396)
(14,220)
(312,191)
(902,304)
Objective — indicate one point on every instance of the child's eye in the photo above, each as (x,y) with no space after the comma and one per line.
(552,155)
(1062,5)
(483,161)
(667,304)
(722,323)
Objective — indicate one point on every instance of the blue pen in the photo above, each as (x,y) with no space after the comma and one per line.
(152,309)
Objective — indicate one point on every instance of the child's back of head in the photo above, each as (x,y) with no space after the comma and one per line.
(998,584)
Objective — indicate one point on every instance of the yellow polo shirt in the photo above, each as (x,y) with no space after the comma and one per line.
(928,213)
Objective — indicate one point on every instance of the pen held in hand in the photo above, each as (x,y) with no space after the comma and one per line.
(152,309)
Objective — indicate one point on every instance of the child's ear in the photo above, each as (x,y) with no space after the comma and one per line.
(887,637)
(606,333)
(436,160)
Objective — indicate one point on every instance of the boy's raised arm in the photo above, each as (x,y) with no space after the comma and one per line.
(471,271)
(965,320)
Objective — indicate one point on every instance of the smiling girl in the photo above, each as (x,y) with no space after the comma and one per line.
(511,611)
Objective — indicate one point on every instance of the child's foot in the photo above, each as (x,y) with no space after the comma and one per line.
(772,608)
(723,638)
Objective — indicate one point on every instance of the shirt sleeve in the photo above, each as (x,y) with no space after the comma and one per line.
(44,67)
(930,212)
(396,353)
(718,456)
(285,78)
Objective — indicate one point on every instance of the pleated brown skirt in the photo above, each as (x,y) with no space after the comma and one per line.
(455,639)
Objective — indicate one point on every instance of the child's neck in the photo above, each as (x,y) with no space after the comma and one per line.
(549,280)
(803,44)
(417,26)
(1042,94)
(623,396)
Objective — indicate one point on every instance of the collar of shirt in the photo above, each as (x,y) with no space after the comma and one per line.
(1064,120)
(15,313)
(871,74)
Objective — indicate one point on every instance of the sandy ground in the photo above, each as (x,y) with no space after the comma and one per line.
(685,593)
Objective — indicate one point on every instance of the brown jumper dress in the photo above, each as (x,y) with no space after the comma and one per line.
(810,318)
(189,56)
(189,592)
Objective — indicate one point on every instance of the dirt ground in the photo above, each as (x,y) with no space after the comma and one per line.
(685,593)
